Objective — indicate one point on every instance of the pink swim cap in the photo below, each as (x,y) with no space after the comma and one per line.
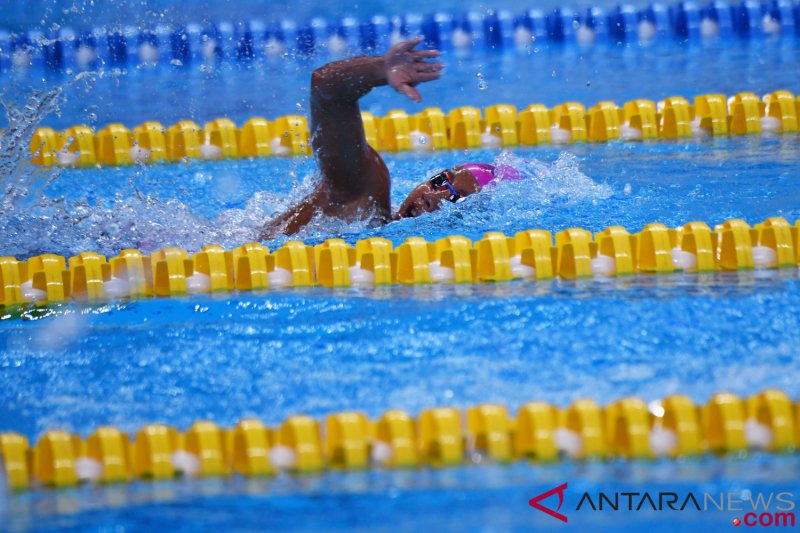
(490,174)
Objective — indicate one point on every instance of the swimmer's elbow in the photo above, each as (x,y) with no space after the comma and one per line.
(329,83)
(321,87)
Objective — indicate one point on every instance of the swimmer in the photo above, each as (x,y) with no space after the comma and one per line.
(355,182)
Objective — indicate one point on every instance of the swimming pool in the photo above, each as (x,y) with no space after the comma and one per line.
(319,351)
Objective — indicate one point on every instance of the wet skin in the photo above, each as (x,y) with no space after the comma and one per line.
(355,182)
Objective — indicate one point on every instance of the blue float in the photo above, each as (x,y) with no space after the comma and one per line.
(686,21)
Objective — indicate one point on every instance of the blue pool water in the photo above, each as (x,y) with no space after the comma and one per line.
(317,351)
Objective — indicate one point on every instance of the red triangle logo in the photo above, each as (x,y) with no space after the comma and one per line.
(534,502)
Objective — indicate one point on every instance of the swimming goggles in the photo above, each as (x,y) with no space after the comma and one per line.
(444,179)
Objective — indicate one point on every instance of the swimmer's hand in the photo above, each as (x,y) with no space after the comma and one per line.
(406,67)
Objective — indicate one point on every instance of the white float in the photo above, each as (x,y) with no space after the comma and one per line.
(139,154)
(361,276)
(585,35)
(757,434)
(185,462)
(116,288)
(278,148)
(197,283)
(662,441)
(282,457)
(65,158)
(764,257)
(603,265)
(647,30)
(337,45)
(85,56)
(280,277)
(210,50)
(697,129)
(770,124)
(709,28)
(559,135)
(770,25)
(440,273)
(568,442)
(518,270)
(30,293)
(683,259)
(148,53)
(490,140)
(381,453)
(628,133)
(420,141)
(523,37)
(210,152)
(88,469)
(461,39)
(273,47)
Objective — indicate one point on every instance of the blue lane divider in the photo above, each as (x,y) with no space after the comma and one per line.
(66,47)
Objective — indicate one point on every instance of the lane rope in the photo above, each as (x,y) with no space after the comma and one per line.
(530,255)
(466,127)
(63,47)
(438,437)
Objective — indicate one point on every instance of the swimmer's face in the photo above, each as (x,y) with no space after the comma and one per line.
(424,198)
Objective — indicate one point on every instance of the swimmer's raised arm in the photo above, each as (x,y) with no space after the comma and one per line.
(337,132)
(355,180)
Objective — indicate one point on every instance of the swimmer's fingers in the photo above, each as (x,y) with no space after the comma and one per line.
(429,67)
(409,91)
(419,55)
(407,46)
(422,77)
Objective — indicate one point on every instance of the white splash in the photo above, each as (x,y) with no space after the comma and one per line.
(55,334)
